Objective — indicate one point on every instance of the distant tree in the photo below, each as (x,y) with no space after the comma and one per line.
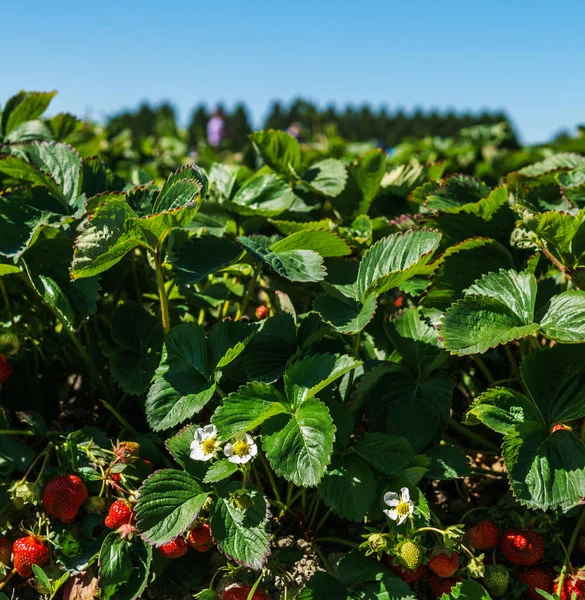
(238,127)
(196,130)
(277,117)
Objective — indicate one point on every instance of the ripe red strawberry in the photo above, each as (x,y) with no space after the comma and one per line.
(407,575)
(29,551)
(5,369)
(200,538)
(261,312)
(444,564)
(240,592)
(5,551)
(174,549)
(120,513)
(536,577)
(522,546)
(441,585)
(571,585)
(484,535)
(64,496)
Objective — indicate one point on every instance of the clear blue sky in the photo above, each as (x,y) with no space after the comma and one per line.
(524,56)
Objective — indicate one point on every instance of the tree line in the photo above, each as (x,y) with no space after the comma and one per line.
(354,123)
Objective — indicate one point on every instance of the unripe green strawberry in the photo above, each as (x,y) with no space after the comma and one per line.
(9,343)
(409,554)
(496,580)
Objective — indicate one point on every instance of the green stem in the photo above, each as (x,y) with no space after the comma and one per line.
(28,432)
(465,431)
(355,352)
(323,519)
(251,287)
(483,368)
(268,470)
(6,299)
(336,540)
(513,364)
(162,294)
(570,547)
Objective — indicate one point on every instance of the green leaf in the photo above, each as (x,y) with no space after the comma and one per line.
(363,183)
(279,150)
(323,586)
(344,314)
(124,567)
(497,309)
(288,227)
(200,257)
(447,462)
(555,379)
(295,265)
(325,243)
(460,265)
(115,561)
(23,212)
(269,351)
(42,582)
(468,590)
(456,191)
(389,454)
(111,233)
(545,471)
(393,260)
(23,107)
(227,340)
(305,378)
(501,409)
(220,470)
(560,160)
(299,445)
(181,385)
(55,166)
(168,504)
(262,195)
(564,320)
(139,338)
(9,270)
(182,188)
(348,488)
(416,340)
(180,447)
(240,527)
(327,177)
(247,409)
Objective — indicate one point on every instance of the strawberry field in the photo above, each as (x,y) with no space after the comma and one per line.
(312,371)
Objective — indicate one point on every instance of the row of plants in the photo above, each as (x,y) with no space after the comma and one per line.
(328,374)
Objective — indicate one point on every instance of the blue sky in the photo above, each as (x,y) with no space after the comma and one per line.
(526,57)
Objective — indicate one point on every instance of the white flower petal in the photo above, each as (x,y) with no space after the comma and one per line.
(402,519)
(411,506)
(234,458)
(228,450)
(244,459)
(391,514)
(210,431)
(253,450)
(405,494)
(248,439)
(199,435)
(197,452)
(391,498)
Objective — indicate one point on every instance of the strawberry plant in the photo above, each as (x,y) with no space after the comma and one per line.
(306,371)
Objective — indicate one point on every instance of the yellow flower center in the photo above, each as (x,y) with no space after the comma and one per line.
(241,448)
(209,445)
(403,509)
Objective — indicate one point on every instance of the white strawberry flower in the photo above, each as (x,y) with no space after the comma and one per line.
(401,507)
(241,450)
(204,446)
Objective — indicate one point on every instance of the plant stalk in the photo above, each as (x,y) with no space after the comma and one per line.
(570,548)
(251,287)
(162,294)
